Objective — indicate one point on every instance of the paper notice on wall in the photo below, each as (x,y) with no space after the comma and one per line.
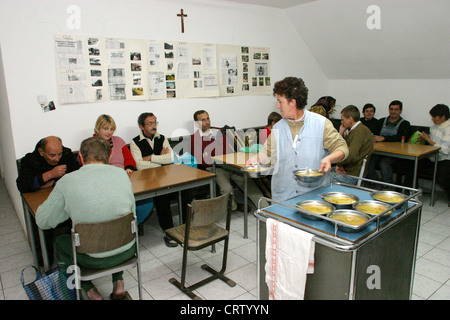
(209,58)
(95,69)
(157,84)
(71,70)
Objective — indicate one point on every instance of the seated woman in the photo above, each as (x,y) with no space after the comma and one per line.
(273,118)
(369,119)
(328,103)
(121,157)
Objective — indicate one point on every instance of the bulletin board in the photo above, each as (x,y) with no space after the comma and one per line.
(96,69)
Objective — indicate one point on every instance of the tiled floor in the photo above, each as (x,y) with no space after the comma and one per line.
(160,263)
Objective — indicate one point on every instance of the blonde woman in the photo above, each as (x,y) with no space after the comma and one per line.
(120,153)
(121,157)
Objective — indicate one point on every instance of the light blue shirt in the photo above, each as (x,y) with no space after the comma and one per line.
(305,150)
(94,193)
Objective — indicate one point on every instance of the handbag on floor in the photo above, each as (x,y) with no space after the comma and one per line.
(52,285)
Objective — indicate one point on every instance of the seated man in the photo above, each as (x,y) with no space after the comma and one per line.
(41,168)
(209,141)
(150,150)
(97,192)
(391,129)
(360,144)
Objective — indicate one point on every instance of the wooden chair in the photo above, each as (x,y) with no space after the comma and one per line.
(104,236)
(200,231)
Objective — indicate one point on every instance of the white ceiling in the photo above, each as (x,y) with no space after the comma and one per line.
(281,4)
(413,42)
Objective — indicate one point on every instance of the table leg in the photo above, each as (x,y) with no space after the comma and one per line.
(436,157)
(245,206)
(180,209)
(44,250)
(416,165)
(30,233)
(212,189)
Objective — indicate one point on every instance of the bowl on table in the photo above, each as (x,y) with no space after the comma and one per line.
(340,200)
(391,197)
(307,207)
(258,171)
(373,208)
(351,219)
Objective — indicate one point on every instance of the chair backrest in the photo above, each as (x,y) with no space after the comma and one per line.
(208,211)
(104,236)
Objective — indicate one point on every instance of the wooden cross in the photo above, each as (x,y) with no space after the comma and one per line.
(182,15)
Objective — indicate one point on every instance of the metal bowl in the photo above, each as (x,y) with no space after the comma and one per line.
(335,197)
(390,197)
(307,175)
(373,208)
(302,207)
(258,171)
(347,217)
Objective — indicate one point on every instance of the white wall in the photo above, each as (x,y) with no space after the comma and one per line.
(406,59)
(27,28)
(417,96)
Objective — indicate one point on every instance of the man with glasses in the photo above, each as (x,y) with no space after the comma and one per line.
(150,150)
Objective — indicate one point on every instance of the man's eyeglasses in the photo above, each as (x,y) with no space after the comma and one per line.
(152,123)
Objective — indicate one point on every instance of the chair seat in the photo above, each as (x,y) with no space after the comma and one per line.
(87,274)
(199,236)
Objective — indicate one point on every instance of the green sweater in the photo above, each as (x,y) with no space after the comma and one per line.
(94,193)
(360,144)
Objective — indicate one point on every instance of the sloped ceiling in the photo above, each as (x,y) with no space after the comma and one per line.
(412,42)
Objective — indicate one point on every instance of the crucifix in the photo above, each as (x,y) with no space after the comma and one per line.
(182,15)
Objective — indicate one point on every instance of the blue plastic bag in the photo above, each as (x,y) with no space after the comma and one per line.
(186,158)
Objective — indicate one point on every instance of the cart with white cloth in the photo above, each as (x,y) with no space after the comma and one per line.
(302,258)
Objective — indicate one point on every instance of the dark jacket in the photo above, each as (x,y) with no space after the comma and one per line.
(33,165)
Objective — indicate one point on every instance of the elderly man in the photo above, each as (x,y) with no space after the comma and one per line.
(97,192)
(360,144)
(301,139)
(41,168)
(150,149)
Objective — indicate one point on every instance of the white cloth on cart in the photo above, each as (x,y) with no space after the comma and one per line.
(289,257)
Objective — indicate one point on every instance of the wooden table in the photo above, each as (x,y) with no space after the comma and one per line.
(235,162)
(146,184)
(410,151)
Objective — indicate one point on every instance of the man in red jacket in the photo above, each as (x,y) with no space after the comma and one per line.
(209,141)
